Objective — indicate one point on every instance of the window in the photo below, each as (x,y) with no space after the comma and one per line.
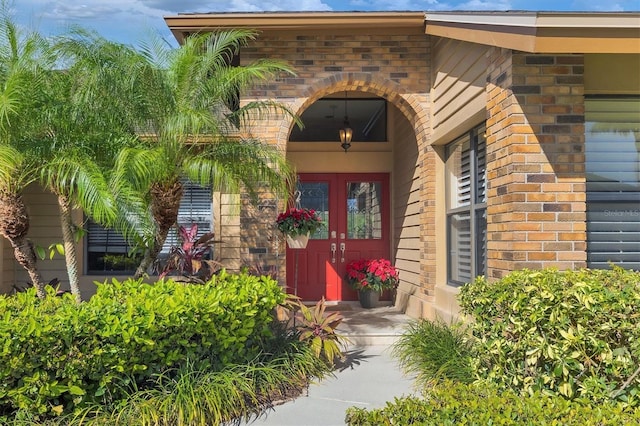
(612,150)
(107,250)
(465,182)
(323,120)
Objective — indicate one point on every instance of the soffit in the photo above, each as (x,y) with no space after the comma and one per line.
(300,22)
(541,32)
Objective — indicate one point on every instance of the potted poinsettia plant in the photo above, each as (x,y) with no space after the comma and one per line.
(297,224)
(370,277)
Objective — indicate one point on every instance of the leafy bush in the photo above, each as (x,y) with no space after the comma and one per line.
(573,333)
(198,397)
(451,403)
(434,351)
(56,356)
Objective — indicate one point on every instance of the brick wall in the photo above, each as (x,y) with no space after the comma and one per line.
(395,67)
(535,150)
(398,58)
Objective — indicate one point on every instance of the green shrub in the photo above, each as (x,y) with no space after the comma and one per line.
(56,356)
(573,333)
(451,403)
(197,397)
(434,351)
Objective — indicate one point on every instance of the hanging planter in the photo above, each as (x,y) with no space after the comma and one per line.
(297,241)
(297,225)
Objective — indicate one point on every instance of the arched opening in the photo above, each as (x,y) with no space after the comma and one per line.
(369,195)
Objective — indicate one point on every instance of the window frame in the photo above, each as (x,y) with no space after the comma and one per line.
(615,225)
(476,207)
(186,211)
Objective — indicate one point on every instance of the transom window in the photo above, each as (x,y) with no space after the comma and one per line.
(322,120)
(465,182)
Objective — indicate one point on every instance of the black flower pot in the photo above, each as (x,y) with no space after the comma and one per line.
(368,298)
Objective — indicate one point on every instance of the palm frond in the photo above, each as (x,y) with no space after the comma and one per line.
(16,170)
(229,165)
(79,178)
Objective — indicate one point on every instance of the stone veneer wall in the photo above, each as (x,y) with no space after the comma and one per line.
(535,152)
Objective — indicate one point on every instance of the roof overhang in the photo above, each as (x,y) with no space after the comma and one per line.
(541,32)
(536,32)
(304,22)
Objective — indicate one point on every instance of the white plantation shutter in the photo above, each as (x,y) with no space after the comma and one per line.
(612,140)
(466,208)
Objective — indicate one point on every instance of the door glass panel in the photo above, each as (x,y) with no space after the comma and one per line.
(315,195)
(364,210)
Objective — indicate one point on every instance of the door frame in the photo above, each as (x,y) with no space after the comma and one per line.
(335,287)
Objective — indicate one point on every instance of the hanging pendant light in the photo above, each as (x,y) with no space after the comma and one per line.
(345,133)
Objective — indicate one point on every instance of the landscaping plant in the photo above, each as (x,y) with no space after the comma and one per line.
(57,356)
(434,351)
(189,259)
(319,330)
(454,403)
(571,333)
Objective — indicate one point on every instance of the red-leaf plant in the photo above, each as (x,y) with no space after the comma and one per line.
(189,258)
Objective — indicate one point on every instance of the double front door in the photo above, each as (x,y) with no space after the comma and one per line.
(355,212)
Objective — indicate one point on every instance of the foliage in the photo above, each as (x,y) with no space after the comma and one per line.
(24,59)
(372,274)
(298,222)
(259,269)
(189,396)
(434,351)
(318,329)
(189,258)
(187,102)
(57,356)
(571,333)
(198,397)
(451,403)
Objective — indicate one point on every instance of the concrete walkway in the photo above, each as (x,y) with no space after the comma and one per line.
(368,378)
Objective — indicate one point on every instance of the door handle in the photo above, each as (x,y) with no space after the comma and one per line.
(343,246)
(333,252)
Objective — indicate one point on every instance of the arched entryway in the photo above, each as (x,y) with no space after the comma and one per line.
(370,195)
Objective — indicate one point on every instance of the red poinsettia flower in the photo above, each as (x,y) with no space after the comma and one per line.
(375,274)
(299,221)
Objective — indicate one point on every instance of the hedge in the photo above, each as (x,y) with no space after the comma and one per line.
(451,403)
(57,356)
(571,333)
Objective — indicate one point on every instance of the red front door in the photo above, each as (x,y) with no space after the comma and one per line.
(355,211)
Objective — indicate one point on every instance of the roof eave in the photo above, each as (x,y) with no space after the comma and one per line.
(183,24)
(542,32)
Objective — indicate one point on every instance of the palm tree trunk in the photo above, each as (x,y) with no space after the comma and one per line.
(70,256)
(151,254)
(165,204)
(14,226)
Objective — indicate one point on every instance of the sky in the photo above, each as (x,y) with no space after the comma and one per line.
(130,21)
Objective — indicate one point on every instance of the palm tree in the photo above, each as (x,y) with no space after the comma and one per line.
(187,99)
(85,127)
(22,60)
